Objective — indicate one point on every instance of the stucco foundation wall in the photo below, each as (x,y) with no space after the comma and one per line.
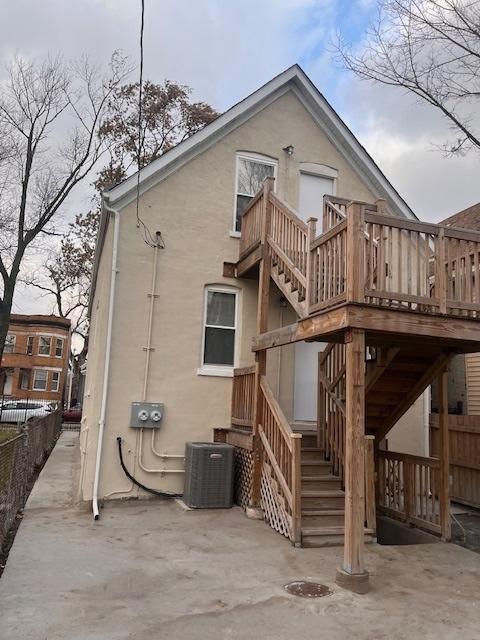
(193,209)
(410,434)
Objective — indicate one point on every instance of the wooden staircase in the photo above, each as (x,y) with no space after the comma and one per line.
(396,299)
(322,497)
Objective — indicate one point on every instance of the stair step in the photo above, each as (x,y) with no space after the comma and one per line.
(312,518)
(312,454)
(320,483)
(327,536)
(319,468)
(322,499)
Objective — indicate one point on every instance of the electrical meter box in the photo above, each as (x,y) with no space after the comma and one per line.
(146,415)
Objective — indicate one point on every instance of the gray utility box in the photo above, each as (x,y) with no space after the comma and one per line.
(208,475)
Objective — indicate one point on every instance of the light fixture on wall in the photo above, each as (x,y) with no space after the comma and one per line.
(289,149)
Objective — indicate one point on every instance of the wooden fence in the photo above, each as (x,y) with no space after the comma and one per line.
(464,437)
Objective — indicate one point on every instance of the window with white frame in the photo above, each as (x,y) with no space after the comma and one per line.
(55,381)
(40,380)
(219,327)
(44,345)
(58,347)
(29,345)
(10,343)
(250,175)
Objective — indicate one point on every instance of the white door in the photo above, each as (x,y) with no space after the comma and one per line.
(310,200)
(312,190)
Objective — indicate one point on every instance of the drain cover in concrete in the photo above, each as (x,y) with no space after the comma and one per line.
(307,589)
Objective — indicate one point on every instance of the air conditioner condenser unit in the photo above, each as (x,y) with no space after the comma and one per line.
(208,475)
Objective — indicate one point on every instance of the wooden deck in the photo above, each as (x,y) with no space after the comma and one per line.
(393,275)
(395,299)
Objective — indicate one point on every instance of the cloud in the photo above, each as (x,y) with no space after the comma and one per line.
(226,50)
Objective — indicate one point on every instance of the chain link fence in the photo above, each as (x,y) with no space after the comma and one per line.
(22,453)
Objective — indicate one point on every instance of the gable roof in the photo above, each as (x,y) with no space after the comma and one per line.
(292,79)
(468,218)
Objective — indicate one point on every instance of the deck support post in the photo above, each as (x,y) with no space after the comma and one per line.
(444,451)
(352,574)
(262,327)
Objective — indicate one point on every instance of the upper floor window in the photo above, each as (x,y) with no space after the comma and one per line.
(29,345)
(44,345)
(10,343)
(219,328)
(59,347)
(251,172)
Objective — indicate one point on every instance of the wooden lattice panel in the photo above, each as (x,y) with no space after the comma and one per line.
(242,489)
(272,504)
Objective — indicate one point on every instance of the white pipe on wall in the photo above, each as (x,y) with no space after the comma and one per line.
(106,369)
(152,295)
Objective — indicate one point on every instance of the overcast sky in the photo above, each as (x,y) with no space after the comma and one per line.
(225,49)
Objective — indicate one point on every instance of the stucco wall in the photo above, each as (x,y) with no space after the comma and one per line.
(410,434)
(193,208)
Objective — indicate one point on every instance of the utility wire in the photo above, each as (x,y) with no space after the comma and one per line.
(147,235)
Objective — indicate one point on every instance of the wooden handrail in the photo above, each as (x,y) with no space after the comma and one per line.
(276,468)
(243,397)
(288,211)
(283,256)
(277,411)
(282,447)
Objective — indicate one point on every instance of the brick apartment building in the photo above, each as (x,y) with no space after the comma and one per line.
(35,357)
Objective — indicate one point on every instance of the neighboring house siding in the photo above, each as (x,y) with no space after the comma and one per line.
(472,361)
(193,209)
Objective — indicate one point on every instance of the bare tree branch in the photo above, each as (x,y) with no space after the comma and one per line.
(431,48)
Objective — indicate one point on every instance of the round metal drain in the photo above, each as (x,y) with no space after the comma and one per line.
(305,589)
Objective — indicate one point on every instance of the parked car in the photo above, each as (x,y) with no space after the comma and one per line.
(74,414)
(23,410)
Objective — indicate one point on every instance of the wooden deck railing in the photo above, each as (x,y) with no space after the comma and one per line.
(243,398)
(367,257)
(287,239)
(408,489)
(282,448)
(331,403)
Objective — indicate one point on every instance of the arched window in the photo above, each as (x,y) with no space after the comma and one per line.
(251,171)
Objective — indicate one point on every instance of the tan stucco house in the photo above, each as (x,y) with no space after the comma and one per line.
(170,321)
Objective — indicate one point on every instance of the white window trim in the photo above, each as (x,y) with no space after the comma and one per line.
(62,341)
(44,355)
(12,344)
(223,371)
(58,381)
(253,157)
(34,388)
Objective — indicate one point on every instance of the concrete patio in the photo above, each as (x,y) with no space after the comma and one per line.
(149,569)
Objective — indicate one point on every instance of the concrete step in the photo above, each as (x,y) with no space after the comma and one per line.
(320,483)
(318,499)
(328,536)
